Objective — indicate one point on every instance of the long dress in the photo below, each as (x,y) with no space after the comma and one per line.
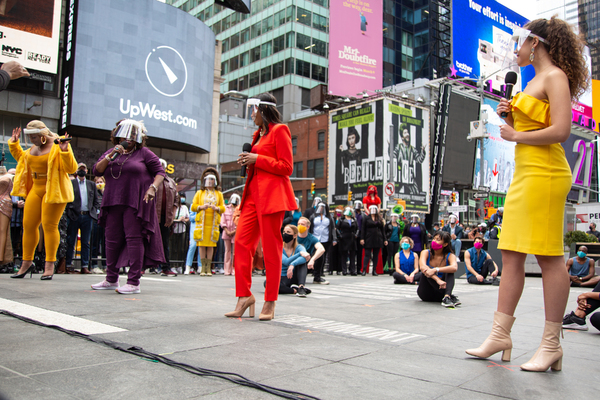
(535,203)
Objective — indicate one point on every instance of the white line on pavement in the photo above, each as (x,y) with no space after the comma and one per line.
(160,280)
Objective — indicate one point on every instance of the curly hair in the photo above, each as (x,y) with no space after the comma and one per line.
(565,49)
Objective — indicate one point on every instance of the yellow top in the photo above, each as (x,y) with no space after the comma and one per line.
(39,165)
(59,188)
(530,113)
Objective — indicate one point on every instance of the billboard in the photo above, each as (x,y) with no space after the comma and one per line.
(156,65)
(481,31)
(384,143)
(498,154)
(355,46)
(29,33)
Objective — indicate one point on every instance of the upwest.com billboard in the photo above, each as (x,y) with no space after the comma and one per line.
(139,59)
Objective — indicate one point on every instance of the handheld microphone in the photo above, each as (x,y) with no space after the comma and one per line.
(245,149)
(125,146)
(62,140)
(509,80)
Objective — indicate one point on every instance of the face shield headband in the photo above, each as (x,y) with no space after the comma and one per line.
(321,208)
(253,104)
(373,210)
(348,211)
(209,176)
(234,199)
(126,130)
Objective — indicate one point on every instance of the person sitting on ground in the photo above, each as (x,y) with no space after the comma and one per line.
(593,231)
(586,304)
(477,231)
(582,271)
(310,243)
(438,266)
(456,233)
(407,263)
(479,265)
(293,271)
(495,224)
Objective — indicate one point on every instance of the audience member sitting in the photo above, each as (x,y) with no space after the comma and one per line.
(293,271)
(479,265)
(582,271)
(477,231)
(456,233)
(310,243)
(438,266)
(586,304)
(407,263)
(593,231)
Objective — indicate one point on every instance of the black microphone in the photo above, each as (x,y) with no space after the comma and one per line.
(62,140)
(125,145)
(509,80)
(245,149)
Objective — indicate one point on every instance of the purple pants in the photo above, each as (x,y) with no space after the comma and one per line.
(124,244)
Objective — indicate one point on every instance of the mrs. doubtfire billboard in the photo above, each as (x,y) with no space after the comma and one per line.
(355,46)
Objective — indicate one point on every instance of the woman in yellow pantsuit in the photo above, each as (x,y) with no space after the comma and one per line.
(538,120)
(208,203)
(43,179)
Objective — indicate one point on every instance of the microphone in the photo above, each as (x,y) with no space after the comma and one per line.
(62,140)
(125,145)
(509,80)
(245,149)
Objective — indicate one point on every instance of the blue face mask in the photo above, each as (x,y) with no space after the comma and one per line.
(406,246)
(581,254)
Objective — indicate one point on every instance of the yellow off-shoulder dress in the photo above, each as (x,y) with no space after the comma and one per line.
(535,203)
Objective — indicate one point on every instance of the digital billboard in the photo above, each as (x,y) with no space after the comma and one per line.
(139,59)
(481,32)
(29,33)
(355,46)
(384,143)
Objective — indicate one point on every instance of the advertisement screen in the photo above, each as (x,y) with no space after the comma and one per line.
(481,31)
(355,46)
(384,143)
(29,33)
(498,155)
(156,65)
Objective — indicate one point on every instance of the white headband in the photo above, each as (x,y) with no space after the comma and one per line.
(31,131)
(234,198)
(373,207)
(126,130)
(208,177)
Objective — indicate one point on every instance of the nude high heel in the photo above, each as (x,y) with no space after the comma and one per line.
(499,339)
(267,317)
(549,354)
(239,312)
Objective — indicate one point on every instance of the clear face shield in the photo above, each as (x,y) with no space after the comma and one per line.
(131,130)
(394,217)
(518,39)
(373,210)
(348,212)
(358,205)
(234,199)
(252,106)
(31,131)
(321,208)
(210,181)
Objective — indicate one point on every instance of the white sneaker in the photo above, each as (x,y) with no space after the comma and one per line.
(97,270)
(179,270)
(128,289)
(187,270)
(105,285)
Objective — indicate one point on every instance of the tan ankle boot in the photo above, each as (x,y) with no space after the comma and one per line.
(203,269)
(499,339)
(208,267)
(549,354)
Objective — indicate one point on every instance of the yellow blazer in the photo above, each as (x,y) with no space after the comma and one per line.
(59,188)
(214,229)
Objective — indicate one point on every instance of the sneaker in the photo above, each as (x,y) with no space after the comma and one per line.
(572,321)
(128,289)
(97,270)
(496,281)
(179,270)
(321,282)
(447,302)
(307,290)
(301,292)
(291,286)
(105,285)
(455,300)
(168,273)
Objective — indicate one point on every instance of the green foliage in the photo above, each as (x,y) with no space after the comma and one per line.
(579,237)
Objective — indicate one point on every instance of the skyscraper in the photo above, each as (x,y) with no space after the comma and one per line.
(589,27)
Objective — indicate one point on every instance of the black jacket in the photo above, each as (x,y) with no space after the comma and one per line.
(94,200)
(372,233)
(458,231)
(332,233)
(347,234)
(423,233)
(389,229)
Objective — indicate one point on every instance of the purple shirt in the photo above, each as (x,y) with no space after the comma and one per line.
(415,235)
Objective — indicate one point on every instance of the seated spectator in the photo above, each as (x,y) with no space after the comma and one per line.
(479,265)
(593,231)
(586,304)
(293,271)
(456,233)
(436,227)
(310,243)
(407,264)
(582,271)
(477,231)
(438,266)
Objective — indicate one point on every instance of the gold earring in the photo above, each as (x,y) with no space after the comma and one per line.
(43,140)
(532,56)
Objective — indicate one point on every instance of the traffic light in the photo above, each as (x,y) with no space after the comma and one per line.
(312,189)
(453,197)
(349,196)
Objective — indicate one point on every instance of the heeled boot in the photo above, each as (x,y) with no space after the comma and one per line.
(498,340)
(208,267)
(549,354)
(203,269)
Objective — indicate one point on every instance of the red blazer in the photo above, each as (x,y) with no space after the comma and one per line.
(272,170)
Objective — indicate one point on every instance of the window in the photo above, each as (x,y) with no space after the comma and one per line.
(303,42)
(304,16)
(217,27)
(225,45)
(319,73)
(254,78)
(267,24)
(407,63)
(289,13)
(320,22)
(289,40)
(244,59)
(278,43)
(226,24)
(233,64)
(244,35)
(234,18)
(407,15)
(407,39)
(255,54)
(265,74)
(224,68)
(277,69)
(319,48)
(294,145)
(319,168)
(243,83)
(321,140)
(297,173)
(388,30)
(266,49)
(310,169)
(322,3)
(280,18)
(256,29)
(235,40)
(421,38)
(303,68)
(233,85)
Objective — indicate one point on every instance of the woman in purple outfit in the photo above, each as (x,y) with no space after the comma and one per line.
(128,215)
(417,232)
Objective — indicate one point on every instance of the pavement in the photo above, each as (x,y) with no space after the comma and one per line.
(357,338)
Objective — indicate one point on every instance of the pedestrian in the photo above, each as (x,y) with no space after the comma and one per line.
(593,231)
(392,234)
(371,199)
(167,203)
(229,229)
(538,120)
(294,259)
(292,217)
(335,257)
(128,214)
(456,233)
(310,243)
(418,233)
(479,264)
(347,228)
(192,248)
(323,227)
(372,238)
(16,225)
(42,177)
(359,216)
(97,241)
(406,263)
(582,269)
(180,233)
(6,212)
(209,205)
(311,210)
(438,266)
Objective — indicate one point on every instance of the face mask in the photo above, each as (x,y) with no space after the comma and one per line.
(182,201)
(287,237)
(406,246)
(81,173)
(581,254)
(100,186)
(436,246)
(301,228)
(478,245)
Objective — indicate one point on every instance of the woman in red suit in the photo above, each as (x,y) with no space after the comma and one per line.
(268,194)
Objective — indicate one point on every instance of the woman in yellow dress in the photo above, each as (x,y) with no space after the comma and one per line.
(208,203)
(43,178)
(539,119)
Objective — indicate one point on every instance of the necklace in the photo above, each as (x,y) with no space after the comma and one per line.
(121,165)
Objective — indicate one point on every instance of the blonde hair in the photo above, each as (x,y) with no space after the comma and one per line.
(44,130)
(304,219)
(412,243)
(294,229)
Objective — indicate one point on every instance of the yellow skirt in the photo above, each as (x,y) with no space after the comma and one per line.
(208,223)
(534,211)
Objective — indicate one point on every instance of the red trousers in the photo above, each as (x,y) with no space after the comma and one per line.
(253,226)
